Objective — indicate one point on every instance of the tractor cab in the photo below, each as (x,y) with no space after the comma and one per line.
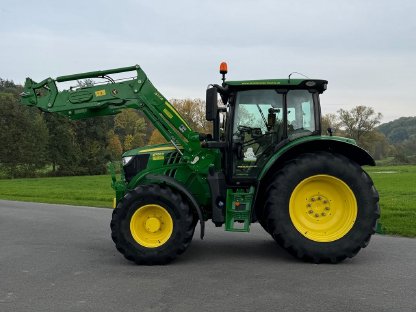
(260,117)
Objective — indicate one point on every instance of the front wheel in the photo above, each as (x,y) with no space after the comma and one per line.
(152,224)
(322,207)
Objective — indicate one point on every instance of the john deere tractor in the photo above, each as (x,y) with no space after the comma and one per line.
(265,160)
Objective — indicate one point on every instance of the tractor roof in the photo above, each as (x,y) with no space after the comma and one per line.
(317,84)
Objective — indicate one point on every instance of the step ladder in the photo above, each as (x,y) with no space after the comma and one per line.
(238,209)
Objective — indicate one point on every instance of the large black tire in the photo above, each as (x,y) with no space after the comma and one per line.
(182,228)
(280,212)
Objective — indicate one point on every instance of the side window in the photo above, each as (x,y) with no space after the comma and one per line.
(300,112)
(307,110)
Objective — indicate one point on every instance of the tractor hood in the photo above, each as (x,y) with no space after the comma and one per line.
(150,149)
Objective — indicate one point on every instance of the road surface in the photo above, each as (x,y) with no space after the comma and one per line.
(61,258)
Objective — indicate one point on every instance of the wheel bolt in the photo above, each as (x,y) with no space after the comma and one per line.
(316,215)
(319,198)
(323,214)
(308,205)
(326,208)
(325,202)
(310,211)
(313,199)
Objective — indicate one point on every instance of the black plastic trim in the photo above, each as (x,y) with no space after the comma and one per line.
(137,164)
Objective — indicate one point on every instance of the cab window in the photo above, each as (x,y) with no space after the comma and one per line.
(300,113)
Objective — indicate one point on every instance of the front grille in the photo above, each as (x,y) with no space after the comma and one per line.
(172,158)
(137,164)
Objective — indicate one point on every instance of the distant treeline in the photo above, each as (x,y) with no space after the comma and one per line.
(34,143)
(395,140)
(401,133)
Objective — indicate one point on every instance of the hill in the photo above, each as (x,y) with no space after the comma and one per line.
(399,130)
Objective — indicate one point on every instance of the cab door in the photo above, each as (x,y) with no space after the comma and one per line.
(258,125)
(261,120)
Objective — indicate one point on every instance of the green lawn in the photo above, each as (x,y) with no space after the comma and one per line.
(397,188)
(84,191)
(396,185)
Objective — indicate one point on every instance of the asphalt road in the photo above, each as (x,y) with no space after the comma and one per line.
(61,258)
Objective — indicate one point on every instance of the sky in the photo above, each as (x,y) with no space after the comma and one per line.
(365,49)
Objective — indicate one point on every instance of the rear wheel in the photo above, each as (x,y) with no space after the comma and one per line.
(152,225)
(321,207)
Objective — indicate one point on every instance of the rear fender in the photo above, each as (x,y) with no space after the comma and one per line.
(344,146)
(332,144)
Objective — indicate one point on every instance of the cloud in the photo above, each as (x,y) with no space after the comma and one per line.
(365,49)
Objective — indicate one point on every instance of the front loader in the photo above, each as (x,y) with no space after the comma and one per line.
(265,160)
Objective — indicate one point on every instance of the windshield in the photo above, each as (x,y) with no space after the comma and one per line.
(253,106)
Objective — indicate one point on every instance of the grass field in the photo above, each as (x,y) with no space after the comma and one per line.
(93,191)
(396,185)
(397,188)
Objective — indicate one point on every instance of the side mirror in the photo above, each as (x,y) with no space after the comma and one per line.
(212,104)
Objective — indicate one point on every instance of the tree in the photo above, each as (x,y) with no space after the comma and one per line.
(330,121)
(399,130)
(359,124)
(63,150)
(91,138)
(127,144)
(376,144)
(358,121)
(399,134)
(85,83)
(130,128)
(114,148)
(24,137)
(193,111)
(8,86)
(402,134)
(156,138)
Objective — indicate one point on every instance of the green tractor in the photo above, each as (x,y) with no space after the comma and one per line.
(265,160)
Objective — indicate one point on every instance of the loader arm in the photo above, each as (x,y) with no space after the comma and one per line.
(111,98)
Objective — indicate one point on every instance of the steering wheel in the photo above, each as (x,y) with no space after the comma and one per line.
(242,128)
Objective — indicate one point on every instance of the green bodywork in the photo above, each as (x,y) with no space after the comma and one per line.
(165,160)
(137,93)
(110,99)
(300,141)
(183,160)
(238,209)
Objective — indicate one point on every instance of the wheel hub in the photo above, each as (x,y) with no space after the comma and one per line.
(318,206)
(151,225)
(323,208)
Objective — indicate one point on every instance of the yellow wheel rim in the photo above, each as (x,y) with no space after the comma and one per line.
(151,226)
(323,208)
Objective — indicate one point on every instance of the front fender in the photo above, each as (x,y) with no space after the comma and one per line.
(181,189)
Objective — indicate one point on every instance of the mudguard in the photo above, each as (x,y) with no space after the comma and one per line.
(334,144)
(180,188)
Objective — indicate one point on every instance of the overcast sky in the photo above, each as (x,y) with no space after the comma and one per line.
(366,49)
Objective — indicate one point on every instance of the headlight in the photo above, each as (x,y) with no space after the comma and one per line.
(126,160)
